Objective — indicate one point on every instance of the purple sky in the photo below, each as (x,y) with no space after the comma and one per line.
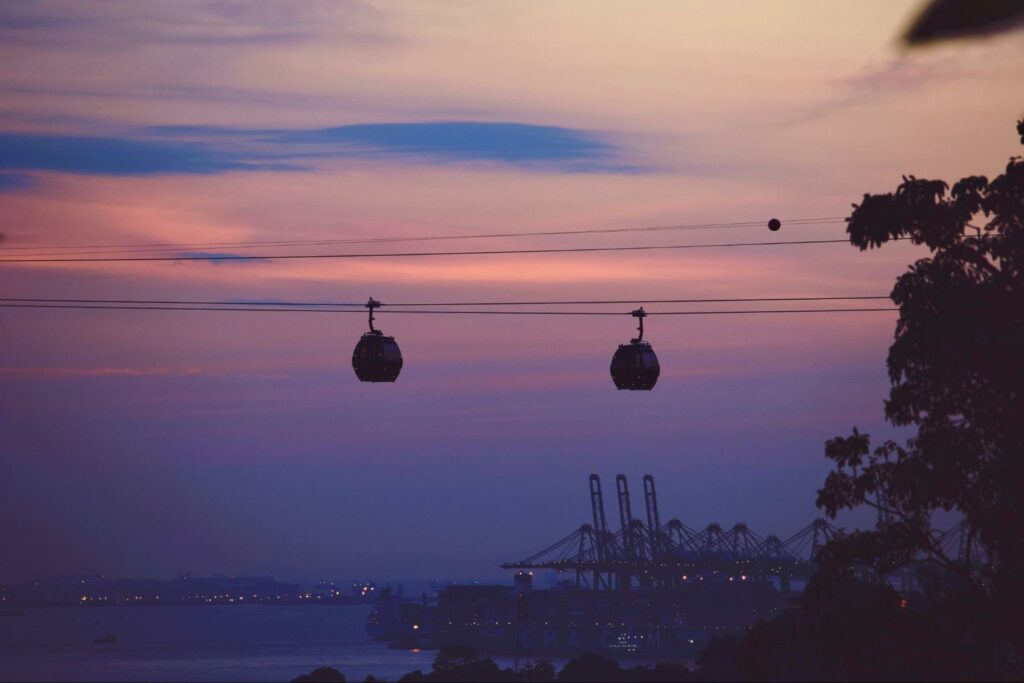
(143,443)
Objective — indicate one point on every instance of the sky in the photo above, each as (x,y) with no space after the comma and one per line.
(144,443)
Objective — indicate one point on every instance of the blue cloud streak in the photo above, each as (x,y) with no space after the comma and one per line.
(111,156)
(219,257)
(513,143)
(206,150)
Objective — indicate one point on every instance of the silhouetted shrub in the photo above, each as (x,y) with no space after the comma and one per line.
(662,672)
(590,667)
(541,671)
(324,674)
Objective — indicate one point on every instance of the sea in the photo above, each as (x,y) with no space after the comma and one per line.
(197,643)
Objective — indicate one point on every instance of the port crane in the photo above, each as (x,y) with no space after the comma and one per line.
(650,555)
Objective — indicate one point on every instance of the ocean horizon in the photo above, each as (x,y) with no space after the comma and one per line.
(197,643)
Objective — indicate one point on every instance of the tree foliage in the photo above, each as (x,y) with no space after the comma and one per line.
(458,663)
(324,674)
(851,630)
(956,368)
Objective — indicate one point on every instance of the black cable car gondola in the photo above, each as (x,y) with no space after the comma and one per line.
(635,366)
(376,358)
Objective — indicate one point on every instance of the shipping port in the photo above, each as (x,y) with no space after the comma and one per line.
(646,589)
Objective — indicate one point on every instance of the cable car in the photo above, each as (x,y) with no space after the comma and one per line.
(635,366)
(376,358)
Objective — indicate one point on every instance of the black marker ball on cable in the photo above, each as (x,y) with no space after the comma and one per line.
(774,224)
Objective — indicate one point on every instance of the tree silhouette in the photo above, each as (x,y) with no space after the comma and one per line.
(541,671)
(324,674)
(590,667)
(956,368)
(846,629)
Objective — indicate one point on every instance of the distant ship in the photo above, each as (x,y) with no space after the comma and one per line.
(109,638)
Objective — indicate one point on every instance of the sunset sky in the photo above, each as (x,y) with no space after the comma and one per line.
(143,443)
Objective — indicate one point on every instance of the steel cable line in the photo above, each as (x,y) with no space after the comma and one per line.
(301,304)
(596,302)
(133,248)
(123,307)
(482,252)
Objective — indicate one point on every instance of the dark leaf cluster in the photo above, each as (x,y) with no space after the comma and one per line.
(849,629)
(956,368)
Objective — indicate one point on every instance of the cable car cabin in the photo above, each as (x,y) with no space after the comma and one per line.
(376,358)
(635,366)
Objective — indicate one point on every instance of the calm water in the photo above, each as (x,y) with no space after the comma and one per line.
(216,643)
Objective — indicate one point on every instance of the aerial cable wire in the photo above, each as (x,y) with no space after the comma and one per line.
(124,307)
(428,238)
(413,254)
(599,302)
(580,302)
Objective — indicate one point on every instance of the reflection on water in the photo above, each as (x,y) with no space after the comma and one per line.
(215,643)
